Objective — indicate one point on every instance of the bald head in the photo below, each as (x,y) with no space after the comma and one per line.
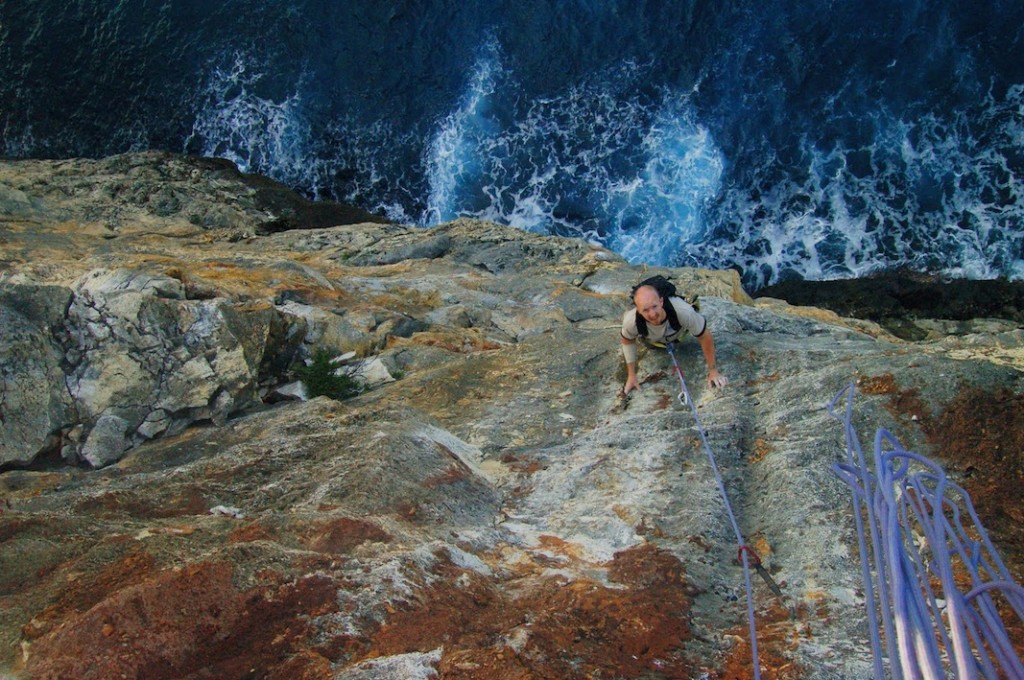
(650,304)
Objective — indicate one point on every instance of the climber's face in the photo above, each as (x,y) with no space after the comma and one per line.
(650,305)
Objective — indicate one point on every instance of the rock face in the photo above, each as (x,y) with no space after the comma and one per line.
(487,507)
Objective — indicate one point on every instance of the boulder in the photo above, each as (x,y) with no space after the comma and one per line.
(34,403)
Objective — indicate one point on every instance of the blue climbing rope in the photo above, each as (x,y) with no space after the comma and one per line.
(744,549)
(921,549)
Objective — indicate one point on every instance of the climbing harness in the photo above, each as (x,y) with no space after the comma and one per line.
(924,551)
(746,554)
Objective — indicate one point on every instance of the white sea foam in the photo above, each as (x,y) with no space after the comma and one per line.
(585,161)
(661,210)
(924,194)
(620,159)
(254,131)
(452,161)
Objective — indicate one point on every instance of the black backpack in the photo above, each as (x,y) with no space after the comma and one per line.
(666,289)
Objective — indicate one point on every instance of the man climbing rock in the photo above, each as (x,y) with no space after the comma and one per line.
(659,317)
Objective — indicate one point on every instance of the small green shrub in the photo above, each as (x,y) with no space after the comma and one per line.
(320,379)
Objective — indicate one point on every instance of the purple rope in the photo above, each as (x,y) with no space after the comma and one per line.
(684,396)
(855,473)
(918,534)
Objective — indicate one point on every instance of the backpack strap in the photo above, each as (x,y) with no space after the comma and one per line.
(670,313)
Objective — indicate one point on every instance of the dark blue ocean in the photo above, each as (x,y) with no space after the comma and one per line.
(783,138)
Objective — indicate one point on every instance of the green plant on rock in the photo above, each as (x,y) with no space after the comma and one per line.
(321,378)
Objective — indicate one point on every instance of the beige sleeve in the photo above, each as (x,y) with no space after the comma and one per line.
(629,331)
(629,352)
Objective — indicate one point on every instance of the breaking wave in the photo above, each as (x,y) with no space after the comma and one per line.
(785,140)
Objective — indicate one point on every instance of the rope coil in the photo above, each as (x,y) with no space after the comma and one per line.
(915,547)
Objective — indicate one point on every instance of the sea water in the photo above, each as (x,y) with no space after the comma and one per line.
(783,138)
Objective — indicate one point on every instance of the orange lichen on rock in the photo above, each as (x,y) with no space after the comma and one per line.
(190,622)
(340,535)
(761,449)
(463,341)
(979,436)
(187,501)
(778,636)
(902,404)
(878,384)
(450,475)
(546,627)
(83,592)
(254,531)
